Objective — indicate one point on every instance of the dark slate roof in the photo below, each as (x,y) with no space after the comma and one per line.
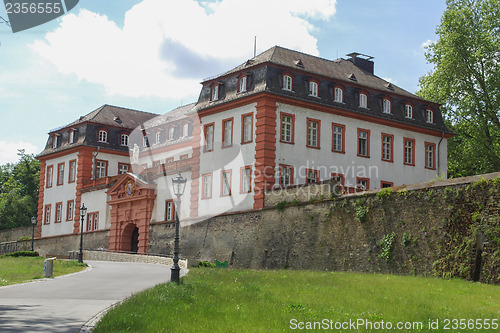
(339,69)
(115,116)
(173,115)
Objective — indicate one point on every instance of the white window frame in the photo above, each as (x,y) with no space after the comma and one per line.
(429,156)
(103,136)
(124,139)
(122,169)
(387,106)
(171,133)
(312,133)
(71,205)
(287,82)
(386,147)
(363,143)
(408,158)
(313,88)
(243,84)
(408,111)
(429,116)
(228,133)
(54,141)
(285,176)
(101,169)
(286,128)
(71,136)
(338,132)
(185,130)
(247,128)
(215,92)
(338,95)
(169,211)
(226,183)
(207,186)
(363,100)
(58,212)
(157,137)
(209,137)
(246,179)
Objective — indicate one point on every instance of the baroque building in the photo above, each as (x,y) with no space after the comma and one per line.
(280,119)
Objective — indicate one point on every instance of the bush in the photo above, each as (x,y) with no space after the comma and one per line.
(206,264)
(22,254)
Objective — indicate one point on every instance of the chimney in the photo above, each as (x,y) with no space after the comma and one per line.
(362,61)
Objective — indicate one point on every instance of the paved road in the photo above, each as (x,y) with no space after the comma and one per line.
(64,304)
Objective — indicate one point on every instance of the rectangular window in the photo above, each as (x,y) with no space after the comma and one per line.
(71,136)
(227,133)
(50,174)
(313,89)
(384,184)
(60,174)
(206,186)
(209,137)
(123,168)
(225,183)
(101,169)
(338,138)
(145,141)
(313,133)
(169,210)
(363,142)
(243,84)
(246,179)
(54,141)
(387,147)
(58,212)
(287,82)
(312,176)
(72,171)
(287,127)
(70,210)
(92,221)
(171,132)
(103,136)
(430,155)
(156,163)
(429,116)
(363,183)
(286,175)
(184,157)
(338,177)
(157,137)
(215,92)
(47,214)
(246,128)
(409,151)
(408,111)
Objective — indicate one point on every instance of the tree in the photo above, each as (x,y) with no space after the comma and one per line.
(466,81)
(19,191)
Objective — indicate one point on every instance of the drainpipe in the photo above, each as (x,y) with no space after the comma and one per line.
(439,155)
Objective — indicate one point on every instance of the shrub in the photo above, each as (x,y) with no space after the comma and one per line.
(23,254)
(386,244)
(206,264)
(361,212)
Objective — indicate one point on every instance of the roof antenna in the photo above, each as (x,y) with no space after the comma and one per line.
(254,46)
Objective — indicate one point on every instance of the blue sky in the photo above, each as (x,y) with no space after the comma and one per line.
(151,55)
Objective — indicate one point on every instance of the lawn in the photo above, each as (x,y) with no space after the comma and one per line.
(22,269)
(222,300)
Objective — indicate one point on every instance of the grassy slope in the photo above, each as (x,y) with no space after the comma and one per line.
(212,300)
(22,269)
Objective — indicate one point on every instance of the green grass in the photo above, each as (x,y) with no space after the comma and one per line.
(23,269)
(221,300)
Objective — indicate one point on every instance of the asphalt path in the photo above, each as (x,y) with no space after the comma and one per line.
(64,304)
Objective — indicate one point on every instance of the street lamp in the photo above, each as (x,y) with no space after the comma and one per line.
(33,223)
(179,185)
(83,211)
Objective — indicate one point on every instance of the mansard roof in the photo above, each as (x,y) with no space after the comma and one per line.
(115,116)
(176,114)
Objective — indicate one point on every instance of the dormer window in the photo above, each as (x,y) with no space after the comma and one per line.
(363,100)
(171,133)
(313,88)
(124,140)
(387,106)
(287,82)
(145,141)
(215,92)
(429,116)
(408,111)
(185,130)
(71,136)
(242,84)
(338,95)
(55,141)
(103,136)
(157,137)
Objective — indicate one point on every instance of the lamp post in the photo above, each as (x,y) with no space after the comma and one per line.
(33,224)
(83,211)
(179,185)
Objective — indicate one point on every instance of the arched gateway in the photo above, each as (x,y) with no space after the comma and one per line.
(131,201)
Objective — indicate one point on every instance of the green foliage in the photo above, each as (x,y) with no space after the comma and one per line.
(206,264)
(466,81)
(386,244)
(219,264)
(361,212)
(406,239)
(19,191)
(24,238)
(384,193)
(295,202)
(22,254)
(281,205)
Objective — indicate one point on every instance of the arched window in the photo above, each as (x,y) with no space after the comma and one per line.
(363,100)
(185,130)
(338,95)
(287,82)
(408,111)
(313,88)
(124,140)
(387,106)
(103,136)
(429,116)
(171,133)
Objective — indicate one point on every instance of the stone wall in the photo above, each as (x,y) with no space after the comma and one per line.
(447,228)
(127,257)
(62,245)
(10,235)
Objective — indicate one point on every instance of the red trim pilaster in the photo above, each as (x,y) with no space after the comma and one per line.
(83,174)
(265,148)
(41,187)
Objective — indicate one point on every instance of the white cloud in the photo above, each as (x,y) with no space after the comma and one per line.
(426,43)
(9,150)
(138,59)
